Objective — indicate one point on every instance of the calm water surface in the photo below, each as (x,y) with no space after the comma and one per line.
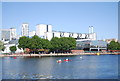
(89,67)
(0,68)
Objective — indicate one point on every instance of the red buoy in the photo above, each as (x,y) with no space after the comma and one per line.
(15,57)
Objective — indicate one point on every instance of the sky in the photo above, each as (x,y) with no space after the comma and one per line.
(63,16)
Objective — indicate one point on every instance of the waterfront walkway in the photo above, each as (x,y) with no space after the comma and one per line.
(55,54)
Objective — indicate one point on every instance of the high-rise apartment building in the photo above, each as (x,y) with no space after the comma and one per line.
(25,29)
(13,33)
(41,30)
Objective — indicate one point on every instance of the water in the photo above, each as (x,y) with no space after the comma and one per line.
(87,67)
(0,68)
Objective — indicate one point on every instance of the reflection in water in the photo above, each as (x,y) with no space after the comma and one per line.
(0,68)
(89,67)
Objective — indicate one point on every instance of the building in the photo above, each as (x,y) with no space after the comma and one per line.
(25,29)
(13,33)
(5,34)
(8,34)
(42,29)
(91,45)
(47,33)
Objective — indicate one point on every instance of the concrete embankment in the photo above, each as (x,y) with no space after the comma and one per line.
(59,54)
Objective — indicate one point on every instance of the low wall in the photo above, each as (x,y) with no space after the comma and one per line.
(77,51)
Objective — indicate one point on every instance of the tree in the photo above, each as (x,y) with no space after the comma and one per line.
(67,43)
(55,42)
(2,47)
(114,45)
(13,49)
(35,43)
(46,44)
(72,43)
(63,44)
(23,42)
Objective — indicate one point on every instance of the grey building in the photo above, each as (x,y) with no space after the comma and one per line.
(5,34)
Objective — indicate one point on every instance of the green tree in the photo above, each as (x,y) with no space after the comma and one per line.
(46,44)
(67,43)
(63,44)
(114,45)
(55,42)
(72,43)
(2,47)
(23,42)
(35,42)
(13,49)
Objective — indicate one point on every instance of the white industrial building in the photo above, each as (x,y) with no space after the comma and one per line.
(78,36)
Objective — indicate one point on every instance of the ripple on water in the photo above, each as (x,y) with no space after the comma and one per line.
(40,76)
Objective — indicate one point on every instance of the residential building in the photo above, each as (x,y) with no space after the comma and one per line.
(42,29)
(25,29)
(13,33)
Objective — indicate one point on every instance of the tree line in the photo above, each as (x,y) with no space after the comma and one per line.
(63,44)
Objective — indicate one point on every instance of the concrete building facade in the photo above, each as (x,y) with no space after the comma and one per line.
(77,36)
(45,31)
